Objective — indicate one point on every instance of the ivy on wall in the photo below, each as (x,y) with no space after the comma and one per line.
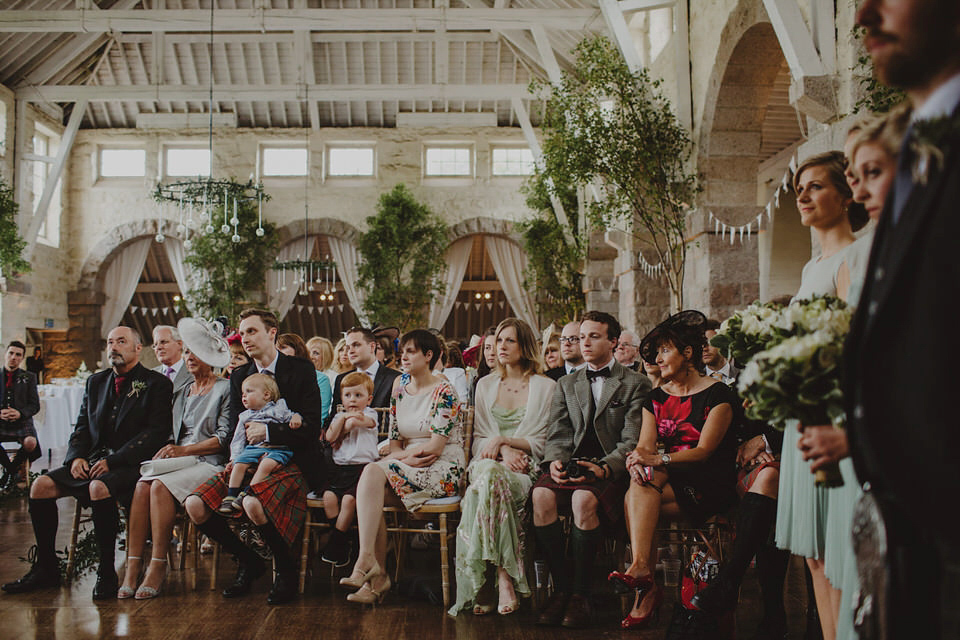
(876,96)
(11,243)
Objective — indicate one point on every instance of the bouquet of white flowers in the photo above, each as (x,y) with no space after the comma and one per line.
(798,375)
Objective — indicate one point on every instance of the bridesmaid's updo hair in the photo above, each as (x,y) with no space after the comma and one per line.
(835,164)
(530,360)
(424,341)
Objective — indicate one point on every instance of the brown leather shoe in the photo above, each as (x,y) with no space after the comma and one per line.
(579,613)
(551,615)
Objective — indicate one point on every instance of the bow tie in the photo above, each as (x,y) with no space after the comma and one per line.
(602,373)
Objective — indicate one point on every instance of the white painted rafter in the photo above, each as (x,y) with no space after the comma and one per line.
(795,39)
(262,92)
(617,24)
(409,19)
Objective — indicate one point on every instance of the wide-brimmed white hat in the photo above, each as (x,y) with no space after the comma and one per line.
(204,338)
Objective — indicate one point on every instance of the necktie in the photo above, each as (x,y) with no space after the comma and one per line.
(169,373)
(716,375)
(903,181)
(118,383)
(602,373)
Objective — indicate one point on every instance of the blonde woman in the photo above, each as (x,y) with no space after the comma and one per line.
(510,431)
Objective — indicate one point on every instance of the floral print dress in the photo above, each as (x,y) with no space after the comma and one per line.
(414,419)
(706,488)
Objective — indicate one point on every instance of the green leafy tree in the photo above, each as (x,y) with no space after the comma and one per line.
(611,130)
(402,259)
(554,257)
(11,243)
(228,272)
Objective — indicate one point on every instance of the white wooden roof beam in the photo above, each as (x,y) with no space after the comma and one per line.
(132,20)
(617,24)
(795,39)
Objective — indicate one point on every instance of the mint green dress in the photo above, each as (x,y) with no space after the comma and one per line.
(491,525)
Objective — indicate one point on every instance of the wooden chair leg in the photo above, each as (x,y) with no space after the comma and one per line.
(216,565)
(72,549)
(305,549)
(196,555)
(444,562)
(185,542)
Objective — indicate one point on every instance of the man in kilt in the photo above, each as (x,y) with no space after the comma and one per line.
(19,402)
(124,419)
(277,506)
(595,419)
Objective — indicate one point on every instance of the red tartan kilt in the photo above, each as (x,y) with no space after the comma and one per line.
(283,496)
(745,479)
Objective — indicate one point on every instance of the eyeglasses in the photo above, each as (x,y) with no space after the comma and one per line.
(570,340)
(625,345)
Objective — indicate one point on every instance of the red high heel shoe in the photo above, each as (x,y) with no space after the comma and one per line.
(639,622)
(630,582)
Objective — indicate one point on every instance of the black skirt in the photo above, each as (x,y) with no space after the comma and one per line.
(344,478)
(609,494)
(120,482)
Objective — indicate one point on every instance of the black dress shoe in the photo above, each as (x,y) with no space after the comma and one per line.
(37,578)
(8,481)
(284,588)
(772,628)
(579,613)
(107,585)
(552,613)
(247,572)
(716,599)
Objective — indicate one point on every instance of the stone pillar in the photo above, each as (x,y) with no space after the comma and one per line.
(600,283)
(84,343)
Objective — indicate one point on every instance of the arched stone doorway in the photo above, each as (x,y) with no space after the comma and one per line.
(749,132)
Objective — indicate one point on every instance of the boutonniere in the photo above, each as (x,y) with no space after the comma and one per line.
(929,143)
(136,387)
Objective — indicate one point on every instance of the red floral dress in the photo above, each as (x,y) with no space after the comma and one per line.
(706,488)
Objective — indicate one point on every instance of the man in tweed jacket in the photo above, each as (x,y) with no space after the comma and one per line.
(595,419)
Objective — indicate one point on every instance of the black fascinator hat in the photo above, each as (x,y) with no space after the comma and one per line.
(684,329)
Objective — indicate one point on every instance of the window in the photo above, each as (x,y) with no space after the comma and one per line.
(283,161)
(185,161)
(45,143)
(449,161)
(509,161)
(350,161)
(123,163)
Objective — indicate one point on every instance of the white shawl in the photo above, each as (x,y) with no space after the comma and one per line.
(533,427)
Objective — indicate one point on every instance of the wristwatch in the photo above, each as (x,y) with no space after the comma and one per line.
(665,458)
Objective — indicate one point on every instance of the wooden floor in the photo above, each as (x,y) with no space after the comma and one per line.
(322,613)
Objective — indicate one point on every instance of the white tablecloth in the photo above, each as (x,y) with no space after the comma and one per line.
(59,407)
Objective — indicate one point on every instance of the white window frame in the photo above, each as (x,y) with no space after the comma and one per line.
(166,148)
(510,147)
(49,232)
(472,158)
(330,147)
(261,162)
(98,166)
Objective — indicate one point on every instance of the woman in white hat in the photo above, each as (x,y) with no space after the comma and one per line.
(199,449)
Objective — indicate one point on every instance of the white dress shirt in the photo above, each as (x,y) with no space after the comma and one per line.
(596,385)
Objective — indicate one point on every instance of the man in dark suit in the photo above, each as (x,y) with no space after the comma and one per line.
(569,351)
(362,352)
(35,364)
(297,381)
(19,402)
(628,351)
(900,382)
(595,418)
(124,419)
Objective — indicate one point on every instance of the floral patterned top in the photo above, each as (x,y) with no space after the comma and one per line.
(442,417)
(707,487)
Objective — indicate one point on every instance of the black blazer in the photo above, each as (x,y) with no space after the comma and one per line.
(556,373)
(297,380)
(382,387)
(143,423)
(25,398)
(900,380)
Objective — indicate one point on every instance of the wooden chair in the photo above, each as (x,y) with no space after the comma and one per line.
(79,519)
(442,510)
(188,537)
(11,447)
(315,521)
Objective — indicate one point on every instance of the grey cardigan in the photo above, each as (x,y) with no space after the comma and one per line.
(212,419)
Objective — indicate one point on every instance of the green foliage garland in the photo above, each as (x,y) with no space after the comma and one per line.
(11,243)
(877,97)
(402,258)
(228,272)
(612,128)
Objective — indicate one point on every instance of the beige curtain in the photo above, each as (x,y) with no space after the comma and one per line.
(509,262)
(120,283)
(278,299)
(457,256)
(347,258)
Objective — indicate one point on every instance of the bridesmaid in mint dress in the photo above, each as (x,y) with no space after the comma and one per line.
(824,199)
(510,430)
